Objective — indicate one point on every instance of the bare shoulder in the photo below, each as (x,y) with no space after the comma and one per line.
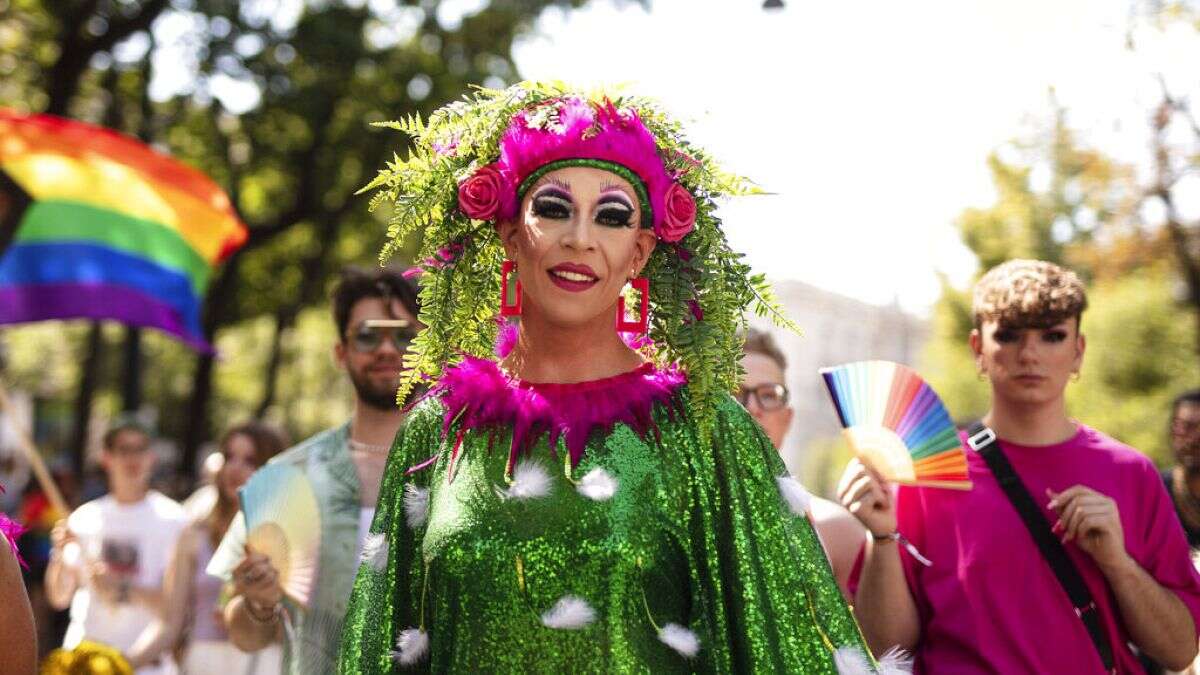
(10,572)
(17,638)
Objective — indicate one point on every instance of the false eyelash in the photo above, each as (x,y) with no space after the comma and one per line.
(551,206)
(614,214)
(615,205)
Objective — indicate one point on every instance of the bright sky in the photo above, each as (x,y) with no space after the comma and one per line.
(871,121)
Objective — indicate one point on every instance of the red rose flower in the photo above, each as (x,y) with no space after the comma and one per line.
(680,214)
(481,195)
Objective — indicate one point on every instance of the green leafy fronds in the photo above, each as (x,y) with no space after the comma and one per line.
(700,289)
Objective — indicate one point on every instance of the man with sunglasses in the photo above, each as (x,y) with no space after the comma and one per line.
(765,396)
(376,317)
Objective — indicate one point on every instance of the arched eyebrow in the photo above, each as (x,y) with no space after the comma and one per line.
(556,183)
(615,194)
(613,187)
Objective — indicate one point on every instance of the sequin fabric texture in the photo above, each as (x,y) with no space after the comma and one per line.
(656,553)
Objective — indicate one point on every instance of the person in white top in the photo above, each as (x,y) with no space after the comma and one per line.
(109,556)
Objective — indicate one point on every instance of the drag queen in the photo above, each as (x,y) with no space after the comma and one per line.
(594,501)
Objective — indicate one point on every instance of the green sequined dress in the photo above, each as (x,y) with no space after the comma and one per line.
(490,560)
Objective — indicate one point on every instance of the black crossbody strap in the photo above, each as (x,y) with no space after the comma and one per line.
(983,440)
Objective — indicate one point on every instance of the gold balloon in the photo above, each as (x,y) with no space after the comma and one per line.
(89,658)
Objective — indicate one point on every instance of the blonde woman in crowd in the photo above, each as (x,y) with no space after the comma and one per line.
(192,607)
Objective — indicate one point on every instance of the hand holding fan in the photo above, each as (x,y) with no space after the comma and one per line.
(895,421)
(283,523)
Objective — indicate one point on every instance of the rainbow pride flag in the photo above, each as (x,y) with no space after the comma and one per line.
(109,229)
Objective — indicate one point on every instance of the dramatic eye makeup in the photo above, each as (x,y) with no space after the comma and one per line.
(614,210)
(552,202)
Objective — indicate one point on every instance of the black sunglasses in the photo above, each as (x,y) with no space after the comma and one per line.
(371,333)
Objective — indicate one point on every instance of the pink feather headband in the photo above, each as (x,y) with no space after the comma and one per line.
(571,131)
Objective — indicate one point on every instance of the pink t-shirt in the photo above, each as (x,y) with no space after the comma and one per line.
(989,602)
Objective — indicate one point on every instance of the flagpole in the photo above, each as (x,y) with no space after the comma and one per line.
(33,456)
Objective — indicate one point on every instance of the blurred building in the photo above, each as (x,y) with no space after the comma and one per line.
(837,330)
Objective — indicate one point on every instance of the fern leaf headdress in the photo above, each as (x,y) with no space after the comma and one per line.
(468,166)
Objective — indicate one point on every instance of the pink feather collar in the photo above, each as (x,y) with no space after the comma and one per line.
(10,531)
(478,395)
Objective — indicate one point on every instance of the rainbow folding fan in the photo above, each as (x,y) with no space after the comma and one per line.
(895,421)
(284,524)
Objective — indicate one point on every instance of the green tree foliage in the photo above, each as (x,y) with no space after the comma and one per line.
(1081,213)
(1078,189)
(291,149)
(1139,356)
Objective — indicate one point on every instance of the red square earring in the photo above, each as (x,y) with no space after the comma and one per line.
(509,308)
(642,286)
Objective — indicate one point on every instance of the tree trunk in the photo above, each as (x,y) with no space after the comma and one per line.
(76,50)
(64,82)
(131,393)
(197,430)
(87,389)
(310,292)
(284,319)
(13,203)
(216,308)
(1181,233)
